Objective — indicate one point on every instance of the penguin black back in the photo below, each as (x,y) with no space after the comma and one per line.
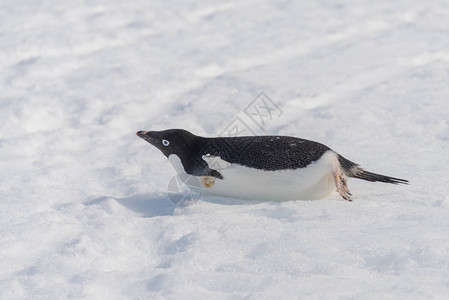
(269,153)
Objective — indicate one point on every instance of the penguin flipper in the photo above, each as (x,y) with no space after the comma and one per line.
(216,162)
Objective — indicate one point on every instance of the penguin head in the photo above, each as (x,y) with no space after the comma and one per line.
(172,141)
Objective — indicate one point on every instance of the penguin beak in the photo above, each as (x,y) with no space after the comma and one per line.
(146,135)
(141,134)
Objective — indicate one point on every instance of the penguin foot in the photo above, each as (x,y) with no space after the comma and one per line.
(341,184)
(207,181)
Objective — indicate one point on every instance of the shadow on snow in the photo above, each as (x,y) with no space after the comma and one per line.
(154,205)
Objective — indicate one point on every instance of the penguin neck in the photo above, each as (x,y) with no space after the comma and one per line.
(177,164)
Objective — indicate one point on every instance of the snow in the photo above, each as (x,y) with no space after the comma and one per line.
(84,211)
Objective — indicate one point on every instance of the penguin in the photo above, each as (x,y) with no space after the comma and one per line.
(260,167)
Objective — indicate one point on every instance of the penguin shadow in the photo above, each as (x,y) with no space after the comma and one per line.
(151,205)
(145,205)
(229,201)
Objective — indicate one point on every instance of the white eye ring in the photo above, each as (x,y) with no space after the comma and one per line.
(165,143)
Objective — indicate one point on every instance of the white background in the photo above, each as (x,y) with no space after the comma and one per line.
(83,206)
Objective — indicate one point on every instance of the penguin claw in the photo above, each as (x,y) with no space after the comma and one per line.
(341,185)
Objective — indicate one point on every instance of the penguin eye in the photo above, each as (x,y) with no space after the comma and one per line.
(165,143)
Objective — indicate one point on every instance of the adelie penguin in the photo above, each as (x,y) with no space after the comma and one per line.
(260,167)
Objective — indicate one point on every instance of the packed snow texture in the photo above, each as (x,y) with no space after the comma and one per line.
(84,211)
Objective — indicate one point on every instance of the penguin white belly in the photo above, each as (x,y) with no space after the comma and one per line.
(312,182)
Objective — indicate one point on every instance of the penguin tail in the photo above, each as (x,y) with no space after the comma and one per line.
(355,171)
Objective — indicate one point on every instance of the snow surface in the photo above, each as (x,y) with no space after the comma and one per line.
(84,212)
